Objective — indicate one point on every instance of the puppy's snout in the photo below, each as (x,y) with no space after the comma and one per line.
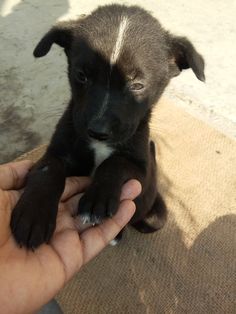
(98,130)
(97,135)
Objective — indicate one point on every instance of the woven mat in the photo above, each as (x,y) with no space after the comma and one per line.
(190,265)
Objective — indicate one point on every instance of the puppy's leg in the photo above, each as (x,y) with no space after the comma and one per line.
(143,227)
(102,198)
(34,216)
(155,219)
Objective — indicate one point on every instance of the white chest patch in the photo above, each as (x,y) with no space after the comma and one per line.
(101,152)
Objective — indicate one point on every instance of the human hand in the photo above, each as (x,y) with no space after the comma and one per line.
(30,279)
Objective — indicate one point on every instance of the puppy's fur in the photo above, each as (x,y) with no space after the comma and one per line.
(120,60)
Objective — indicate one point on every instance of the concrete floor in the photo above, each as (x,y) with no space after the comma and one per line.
(34,93)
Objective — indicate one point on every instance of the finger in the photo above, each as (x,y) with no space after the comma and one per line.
(7,202)
(131,190)
(12,175)
(75,185)
(73,203)
(13,197)
(66,243)
(93,240)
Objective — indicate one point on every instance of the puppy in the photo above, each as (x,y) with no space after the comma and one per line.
(120,60)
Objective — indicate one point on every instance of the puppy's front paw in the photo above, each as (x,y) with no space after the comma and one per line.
(32,223)
(98,203)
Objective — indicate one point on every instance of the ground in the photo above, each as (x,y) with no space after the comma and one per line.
(34,93)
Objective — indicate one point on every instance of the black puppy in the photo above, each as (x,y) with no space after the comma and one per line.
(120,60)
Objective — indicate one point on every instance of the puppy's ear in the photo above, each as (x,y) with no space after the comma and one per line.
(61,34)
(183,56)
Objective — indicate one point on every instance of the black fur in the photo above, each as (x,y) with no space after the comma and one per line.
(149,58)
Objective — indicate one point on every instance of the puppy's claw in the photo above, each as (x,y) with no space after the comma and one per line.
(114,242)
(84,219)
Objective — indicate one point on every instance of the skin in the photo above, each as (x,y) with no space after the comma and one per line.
(29,279)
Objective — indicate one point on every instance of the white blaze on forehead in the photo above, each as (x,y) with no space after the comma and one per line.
(119,40)
(114,57)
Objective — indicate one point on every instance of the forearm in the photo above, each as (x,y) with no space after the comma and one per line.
(47,176)
(121,169)
(34,216)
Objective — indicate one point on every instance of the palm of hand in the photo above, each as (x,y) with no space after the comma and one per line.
(33,278)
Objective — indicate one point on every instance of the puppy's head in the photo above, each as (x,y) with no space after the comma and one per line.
(119,62)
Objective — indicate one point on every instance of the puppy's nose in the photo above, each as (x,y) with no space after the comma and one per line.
(98,135)
(98,131)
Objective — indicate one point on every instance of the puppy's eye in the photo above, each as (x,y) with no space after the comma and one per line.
(136,86)
(81,77)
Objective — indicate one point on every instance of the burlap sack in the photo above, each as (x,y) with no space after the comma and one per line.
(190,265)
